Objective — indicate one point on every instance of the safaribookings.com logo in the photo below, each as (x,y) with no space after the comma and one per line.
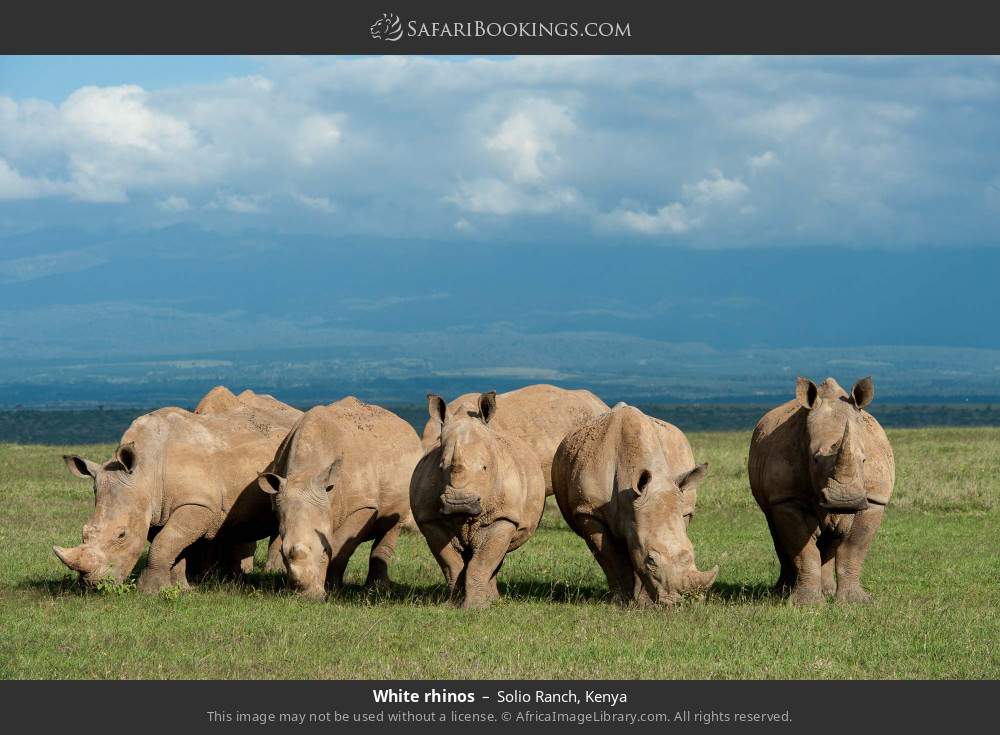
(390,28)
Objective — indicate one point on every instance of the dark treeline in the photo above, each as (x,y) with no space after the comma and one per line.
(92,426)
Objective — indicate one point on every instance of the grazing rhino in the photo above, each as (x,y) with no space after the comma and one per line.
(340,478)
(625,482)
(821,469)
(540,415)
(185,481)
(477,495)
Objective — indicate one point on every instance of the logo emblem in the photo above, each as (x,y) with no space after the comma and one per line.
(387,28)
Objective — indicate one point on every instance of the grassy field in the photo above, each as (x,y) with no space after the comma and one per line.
(934,572)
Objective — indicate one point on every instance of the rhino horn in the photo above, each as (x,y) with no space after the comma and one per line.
(704,580)
(847,457)
(71,557)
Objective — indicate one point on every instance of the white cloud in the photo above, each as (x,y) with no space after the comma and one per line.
(715,189)
(174,203)
(239,203)
(496,197)
(318,203)
(15,186)
(527,139)
(670,219)
(317,136)
(762,161)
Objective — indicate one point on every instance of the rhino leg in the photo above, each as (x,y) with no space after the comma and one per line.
(786,577)
(797,532)
(178,574)
(274,561)
(187,524)
(828,553)
(491,545)
(448,556)
(494,589)
(345,540)
(852,552)
(610,555)
(382,552)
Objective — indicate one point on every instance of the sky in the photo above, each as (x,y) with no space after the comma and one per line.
(731,201)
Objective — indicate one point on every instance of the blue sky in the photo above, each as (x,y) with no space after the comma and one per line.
(730,201)
(669,151)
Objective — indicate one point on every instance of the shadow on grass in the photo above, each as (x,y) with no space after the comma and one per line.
(741,592)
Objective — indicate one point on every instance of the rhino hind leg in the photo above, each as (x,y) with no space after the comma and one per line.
(797,533)
(488,553)
(786,577)
(383,549)
(852,552)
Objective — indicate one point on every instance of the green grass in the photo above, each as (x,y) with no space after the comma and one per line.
(934,572)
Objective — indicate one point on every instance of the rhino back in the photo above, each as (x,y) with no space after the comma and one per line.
(376,452)
(603,456)
(204,459)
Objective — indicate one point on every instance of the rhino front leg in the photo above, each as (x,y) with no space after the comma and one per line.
(345,541)
(274,561)
(383,549)
(487,556)
(798,537)
(448,556)
(609,554)
(827,544)
(852,552)
(187,524)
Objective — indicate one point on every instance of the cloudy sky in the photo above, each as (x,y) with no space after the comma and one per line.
(153,203)
(669,151)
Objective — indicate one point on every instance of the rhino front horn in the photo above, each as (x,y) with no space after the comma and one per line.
(69,557)
(704,580)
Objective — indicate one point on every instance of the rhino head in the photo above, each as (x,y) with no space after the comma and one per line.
(833,442)
(115,535)
(652,515)
(302,503)
(469,462)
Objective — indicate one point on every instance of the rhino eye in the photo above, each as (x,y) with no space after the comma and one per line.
(122,533)
(652,559)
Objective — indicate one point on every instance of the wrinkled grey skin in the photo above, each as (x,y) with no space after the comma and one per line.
(822,471)
(186,482)
(625,484)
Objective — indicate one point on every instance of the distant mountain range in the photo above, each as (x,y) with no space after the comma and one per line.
(142,318)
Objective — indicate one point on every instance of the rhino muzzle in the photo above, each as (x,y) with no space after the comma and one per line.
(459,502)
(87,562)
(844,492)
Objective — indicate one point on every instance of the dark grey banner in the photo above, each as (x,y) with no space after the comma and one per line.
(513,706)
(515,26)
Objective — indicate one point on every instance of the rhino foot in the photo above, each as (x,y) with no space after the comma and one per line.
(807,596)
(151,582)
(853,593)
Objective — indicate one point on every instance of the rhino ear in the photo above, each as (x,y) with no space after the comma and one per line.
(806,392)
(436,407)
(126,456)
(488,406)
(328,479)
(81,467)
(863,392)
(691,479)
(642,484)
(270,482)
